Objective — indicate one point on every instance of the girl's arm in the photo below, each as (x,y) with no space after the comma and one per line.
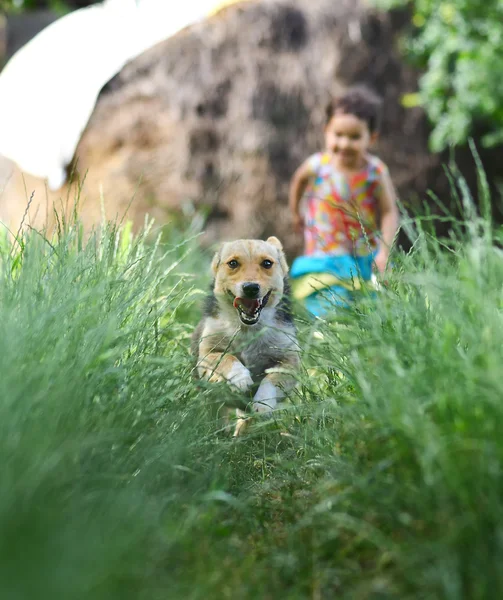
(389,220)
(297,188)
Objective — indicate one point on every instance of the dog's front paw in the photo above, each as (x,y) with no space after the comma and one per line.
(213,377)
(239,377)
(266,398)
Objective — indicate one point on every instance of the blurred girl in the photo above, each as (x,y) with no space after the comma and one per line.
(348,197)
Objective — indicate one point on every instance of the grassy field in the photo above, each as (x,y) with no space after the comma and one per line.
(381,479)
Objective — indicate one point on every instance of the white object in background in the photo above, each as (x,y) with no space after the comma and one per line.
(49,88)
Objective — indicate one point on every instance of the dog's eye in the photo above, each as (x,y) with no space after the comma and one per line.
(233,264)
(267,264)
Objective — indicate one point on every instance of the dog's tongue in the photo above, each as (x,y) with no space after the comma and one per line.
(249,304)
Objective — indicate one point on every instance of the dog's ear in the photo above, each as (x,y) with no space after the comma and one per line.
(215,263)
(273,240)
(282,259)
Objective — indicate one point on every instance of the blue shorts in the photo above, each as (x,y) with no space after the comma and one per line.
(325,282)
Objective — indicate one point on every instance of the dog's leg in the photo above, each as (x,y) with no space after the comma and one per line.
(273,387)
(242,421)
(236,420)
(267,396)
(217,366)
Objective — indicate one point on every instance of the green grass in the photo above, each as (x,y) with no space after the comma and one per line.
(381,479)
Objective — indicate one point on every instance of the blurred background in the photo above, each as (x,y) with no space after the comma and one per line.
(214,119)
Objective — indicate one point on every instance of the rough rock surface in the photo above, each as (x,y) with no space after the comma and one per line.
(218,117)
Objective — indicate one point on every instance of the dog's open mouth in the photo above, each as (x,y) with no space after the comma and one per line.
(249,309)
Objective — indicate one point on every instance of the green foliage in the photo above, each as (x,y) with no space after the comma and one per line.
(459,45)
(380,478)
(59,6)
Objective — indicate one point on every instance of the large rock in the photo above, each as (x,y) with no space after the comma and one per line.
(218,117)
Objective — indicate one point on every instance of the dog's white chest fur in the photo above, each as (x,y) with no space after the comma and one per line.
(259,347)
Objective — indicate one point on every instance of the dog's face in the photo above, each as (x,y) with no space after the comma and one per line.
(249,276)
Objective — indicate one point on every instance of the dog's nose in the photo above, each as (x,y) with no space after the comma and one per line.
(251,290)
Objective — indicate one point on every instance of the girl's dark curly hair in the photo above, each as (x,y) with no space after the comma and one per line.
(359,101)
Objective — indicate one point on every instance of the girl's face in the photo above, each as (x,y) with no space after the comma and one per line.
(348,138)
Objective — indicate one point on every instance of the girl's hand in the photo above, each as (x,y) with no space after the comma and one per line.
(298,223)
(381,260)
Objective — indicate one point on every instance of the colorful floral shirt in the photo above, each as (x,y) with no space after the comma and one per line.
(342,211)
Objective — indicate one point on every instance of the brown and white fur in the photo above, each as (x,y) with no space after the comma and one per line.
(247,334)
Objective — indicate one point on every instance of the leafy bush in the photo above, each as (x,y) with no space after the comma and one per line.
(459,45)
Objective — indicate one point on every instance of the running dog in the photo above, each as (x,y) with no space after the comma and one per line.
(247,332)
